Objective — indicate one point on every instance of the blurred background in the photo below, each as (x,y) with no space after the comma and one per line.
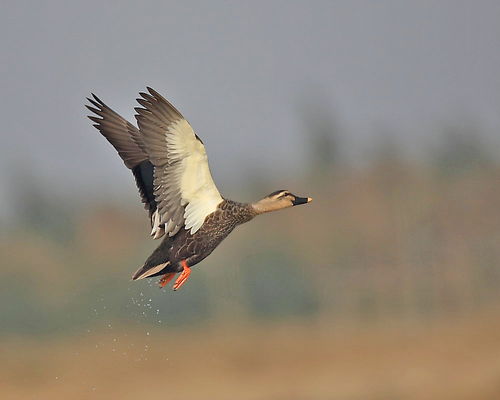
(385,287)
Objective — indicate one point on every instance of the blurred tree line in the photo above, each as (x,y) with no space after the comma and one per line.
(393,238)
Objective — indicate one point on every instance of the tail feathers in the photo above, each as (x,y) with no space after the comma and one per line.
(147,271)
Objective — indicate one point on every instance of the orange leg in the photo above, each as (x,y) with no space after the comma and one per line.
(183,276)
(166,278)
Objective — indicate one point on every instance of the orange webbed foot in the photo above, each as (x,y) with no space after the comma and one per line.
(183,276)
(166,278)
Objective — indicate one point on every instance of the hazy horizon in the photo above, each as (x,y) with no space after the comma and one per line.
(244,75)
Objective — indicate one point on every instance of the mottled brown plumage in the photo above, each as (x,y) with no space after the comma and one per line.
(194,248)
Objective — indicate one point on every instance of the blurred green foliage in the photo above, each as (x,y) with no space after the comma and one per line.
(391,239)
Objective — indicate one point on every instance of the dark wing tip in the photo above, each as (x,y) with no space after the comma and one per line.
(143,102)
(94,110)
(157,96)
(99,104)
(95,119)
(97,99)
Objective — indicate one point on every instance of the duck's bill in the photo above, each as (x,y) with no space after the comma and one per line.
(301,200)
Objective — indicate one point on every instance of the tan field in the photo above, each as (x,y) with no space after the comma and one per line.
(456,359)
(384,288)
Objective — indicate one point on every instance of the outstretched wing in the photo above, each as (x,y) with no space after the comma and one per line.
(126,139)
(184,190)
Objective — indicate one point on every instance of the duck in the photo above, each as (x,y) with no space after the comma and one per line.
(170,165)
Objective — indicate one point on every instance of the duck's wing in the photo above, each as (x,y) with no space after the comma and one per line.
(184,190)
(122,135)
(127,141)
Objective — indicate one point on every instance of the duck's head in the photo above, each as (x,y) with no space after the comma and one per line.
(278,200)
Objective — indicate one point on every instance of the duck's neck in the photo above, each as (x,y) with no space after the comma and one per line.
(264,206)
(242,212)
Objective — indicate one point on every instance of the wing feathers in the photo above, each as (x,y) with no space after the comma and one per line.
(168,159)
(126,139)
(116,130)
(184,188)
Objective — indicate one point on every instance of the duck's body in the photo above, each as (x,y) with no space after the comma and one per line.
(171,170)
(193,248)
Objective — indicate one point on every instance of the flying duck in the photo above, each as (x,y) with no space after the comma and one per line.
(171,171)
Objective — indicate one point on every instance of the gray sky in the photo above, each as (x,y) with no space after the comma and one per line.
(238,71)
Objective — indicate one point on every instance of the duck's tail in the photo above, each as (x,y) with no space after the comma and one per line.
(148,271)
(157,262)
